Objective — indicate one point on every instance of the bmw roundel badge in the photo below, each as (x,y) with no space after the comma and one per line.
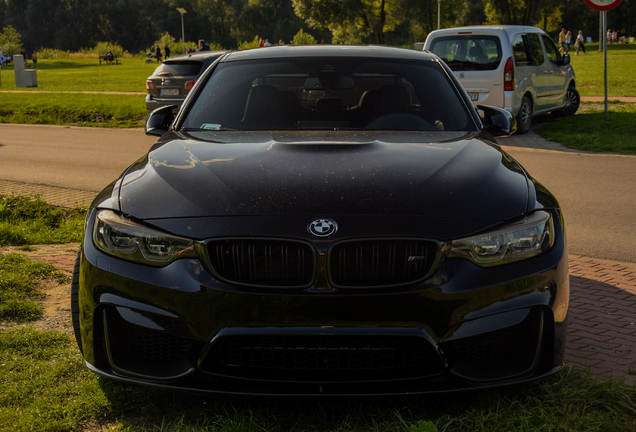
(322,227)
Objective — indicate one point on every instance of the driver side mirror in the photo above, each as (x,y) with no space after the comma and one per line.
(159,120)
(565,60)
(497,121)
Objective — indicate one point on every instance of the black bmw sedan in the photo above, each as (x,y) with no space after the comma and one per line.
(324,220)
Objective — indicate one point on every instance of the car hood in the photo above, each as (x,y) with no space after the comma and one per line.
(437,175)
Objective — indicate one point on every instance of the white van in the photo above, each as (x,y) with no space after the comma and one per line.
(518,68)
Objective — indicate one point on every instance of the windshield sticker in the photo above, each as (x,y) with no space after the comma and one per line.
(210,126)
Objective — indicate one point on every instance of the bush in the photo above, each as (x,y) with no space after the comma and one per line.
(302,38)
(103,47)
(254,43)
(53,54)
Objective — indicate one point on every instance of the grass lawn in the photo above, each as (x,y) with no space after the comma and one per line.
(86,75)
(589,69)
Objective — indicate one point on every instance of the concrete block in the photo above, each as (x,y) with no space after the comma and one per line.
(23,77)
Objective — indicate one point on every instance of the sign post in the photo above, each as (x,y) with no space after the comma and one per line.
(603,6)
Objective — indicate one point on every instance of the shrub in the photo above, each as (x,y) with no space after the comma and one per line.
(103,47)
(254,43)
(302,38)
(51,53)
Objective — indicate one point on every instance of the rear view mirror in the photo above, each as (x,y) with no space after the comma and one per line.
(159,120)
(497,121)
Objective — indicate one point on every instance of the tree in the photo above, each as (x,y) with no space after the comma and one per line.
(350,21)
(302,38)
(10,41)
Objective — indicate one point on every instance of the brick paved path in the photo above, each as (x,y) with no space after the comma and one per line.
(601,320)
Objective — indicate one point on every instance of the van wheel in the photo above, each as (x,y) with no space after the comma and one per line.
(571,101)
(524,118)
(75,311)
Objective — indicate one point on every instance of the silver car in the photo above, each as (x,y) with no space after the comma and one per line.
(518,68)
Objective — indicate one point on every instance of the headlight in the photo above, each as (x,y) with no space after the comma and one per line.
(123,238)
(527,238)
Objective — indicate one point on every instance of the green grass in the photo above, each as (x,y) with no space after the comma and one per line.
(46,387)
(592,130)
(19,278)
(86,75)
(29,220)
(105,110)
(589,71)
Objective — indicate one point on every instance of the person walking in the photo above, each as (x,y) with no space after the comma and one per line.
(166,51)
(562,40)
(580,43)
(158,53)
(568,41)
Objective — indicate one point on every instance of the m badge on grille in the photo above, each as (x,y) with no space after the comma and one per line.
(322,227)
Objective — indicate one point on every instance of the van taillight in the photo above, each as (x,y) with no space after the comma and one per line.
(150,85)
(509,75)
(189,85)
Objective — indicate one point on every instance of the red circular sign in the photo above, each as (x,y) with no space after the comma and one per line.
(602,5)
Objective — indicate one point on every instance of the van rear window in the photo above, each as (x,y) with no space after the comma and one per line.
(468,52)
(180,68)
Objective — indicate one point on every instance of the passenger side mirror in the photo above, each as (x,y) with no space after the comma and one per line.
(159,120)
(497,121)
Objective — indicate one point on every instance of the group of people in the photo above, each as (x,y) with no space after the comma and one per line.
(565,40)
(158,55)
(266,43)
(612,36)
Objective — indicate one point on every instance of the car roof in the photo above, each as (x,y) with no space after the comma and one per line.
(198,56)
(489,29)
(328,51)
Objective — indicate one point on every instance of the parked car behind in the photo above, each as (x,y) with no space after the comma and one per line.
(171,82)
(518,68)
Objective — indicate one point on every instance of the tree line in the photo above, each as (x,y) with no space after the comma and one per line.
(71,25)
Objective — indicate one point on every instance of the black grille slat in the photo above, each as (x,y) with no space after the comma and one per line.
(318,356)
(373,263)
(368,263)
(269,263)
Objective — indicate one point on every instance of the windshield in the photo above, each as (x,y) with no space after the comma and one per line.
(329,93)
(468,52)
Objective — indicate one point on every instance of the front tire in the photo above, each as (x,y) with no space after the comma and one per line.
(75,310)
(571,101)
(524,117)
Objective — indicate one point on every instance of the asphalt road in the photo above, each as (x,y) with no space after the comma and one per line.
(596,191)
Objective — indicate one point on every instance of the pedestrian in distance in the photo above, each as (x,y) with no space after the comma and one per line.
(580,43)
(158,53)
(166,51)
(562,40)
(568,41)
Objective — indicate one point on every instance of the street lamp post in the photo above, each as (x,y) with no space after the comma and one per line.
(439,14)
(182,11)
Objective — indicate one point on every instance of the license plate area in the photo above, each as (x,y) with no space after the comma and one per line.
(169,92)
(473,96)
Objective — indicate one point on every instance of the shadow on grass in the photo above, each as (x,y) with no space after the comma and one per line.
(570,398)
